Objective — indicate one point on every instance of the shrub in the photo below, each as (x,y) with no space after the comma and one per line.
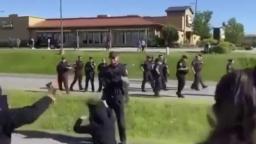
(206,41)
(223,47)
(158,42)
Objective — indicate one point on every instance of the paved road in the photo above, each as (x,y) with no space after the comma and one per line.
(151,49)
(37,83)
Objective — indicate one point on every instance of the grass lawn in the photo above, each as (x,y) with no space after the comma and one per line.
(44,62)
(149,120)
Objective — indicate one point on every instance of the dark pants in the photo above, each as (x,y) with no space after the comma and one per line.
(63,79)
(157,85)
(164,80)
(78,77)
(181,82)
(118,107)
(100,83)
(143,48)
(197,81)
(147,78)
(91,79)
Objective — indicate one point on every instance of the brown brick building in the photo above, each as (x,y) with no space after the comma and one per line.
(121,31)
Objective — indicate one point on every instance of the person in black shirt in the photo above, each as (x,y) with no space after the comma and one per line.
(233,118)
(114,92)
(89,73)
(197,65)
(165,76)
(157,75)
(11,119)
(62,70)
(230,67)
(79,65)
(101,67)
(147,68)
(182,70)
(101,123)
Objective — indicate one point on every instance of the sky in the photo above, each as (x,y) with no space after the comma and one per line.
(243,10)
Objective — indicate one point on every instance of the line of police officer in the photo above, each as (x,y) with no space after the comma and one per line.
(112,77)
(79,68)
(156,73)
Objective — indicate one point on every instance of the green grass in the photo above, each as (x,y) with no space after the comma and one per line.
(44,62)
(149,120)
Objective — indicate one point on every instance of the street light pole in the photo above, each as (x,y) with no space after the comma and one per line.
(61,30)
(196,8)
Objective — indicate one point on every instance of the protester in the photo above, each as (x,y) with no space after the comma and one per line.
(11,119)
(234,109)
(101,123)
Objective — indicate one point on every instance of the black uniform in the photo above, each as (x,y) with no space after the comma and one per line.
(229,68)
(164,68)
(102,124)
(78,74)
(15,118)
(157,75)
(101,67)
(89,74)
(62,71)
(182,70)
(147,74)
(113,93)
(197,66)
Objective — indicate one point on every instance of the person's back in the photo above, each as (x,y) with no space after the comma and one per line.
(102,124)
(79,66)
(113,78)
(234,109)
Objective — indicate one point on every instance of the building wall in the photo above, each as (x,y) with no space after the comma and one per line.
(120,37)
(19,28)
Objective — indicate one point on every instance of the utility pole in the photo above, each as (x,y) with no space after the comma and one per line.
(61,30)
(196,8)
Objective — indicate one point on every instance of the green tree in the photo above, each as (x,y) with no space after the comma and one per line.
(234,32)
(202,24)
(170,34)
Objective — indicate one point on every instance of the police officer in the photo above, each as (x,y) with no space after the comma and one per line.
(62,71)
(157,75)
(101,67)
(147,67)
(78,68)
(230,67)
(197,65)
(89,73)
(182,70)
(113,91)
(163,68)
(11,119)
